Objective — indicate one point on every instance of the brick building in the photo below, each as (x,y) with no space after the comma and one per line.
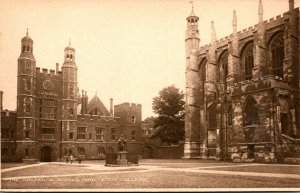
(242,91)
(52,120)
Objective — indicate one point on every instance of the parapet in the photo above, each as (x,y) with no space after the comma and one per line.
(128,106)
(247,32)
(47,72)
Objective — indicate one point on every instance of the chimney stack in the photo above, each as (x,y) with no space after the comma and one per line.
(111,107)
(291,5)
(57,68)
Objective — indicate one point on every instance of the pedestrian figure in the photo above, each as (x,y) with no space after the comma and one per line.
(67,159)
(71,158)
(79,159)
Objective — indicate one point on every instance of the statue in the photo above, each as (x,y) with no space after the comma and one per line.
(121,143)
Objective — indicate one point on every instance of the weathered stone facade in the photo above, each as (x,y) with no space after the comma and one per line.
(242,91)
(52,120)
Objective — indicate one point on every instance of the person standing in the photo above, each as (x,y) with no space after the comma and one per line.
(71,158)
(67,159)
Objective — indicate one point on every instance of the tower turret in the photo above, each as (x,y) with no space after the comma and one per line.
(26,100)
(192,39)
(69,70)
(192,98)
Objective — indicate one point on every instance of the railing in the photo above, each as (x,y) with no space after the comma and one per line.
(111,159)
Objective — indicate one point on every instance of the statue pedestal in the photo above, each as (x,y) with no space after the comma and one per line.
(122,158)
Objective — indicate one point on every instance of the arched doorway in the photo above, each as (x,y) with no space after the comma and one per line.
(147,152)
(46,154)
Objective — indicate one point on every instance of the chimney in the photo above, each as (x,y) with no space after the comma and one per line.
(86,102)
(111,107)
(291,5)
(57,68)
(82,103)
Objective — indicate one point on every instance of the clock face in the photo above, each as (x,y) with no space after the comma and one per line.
(48,85)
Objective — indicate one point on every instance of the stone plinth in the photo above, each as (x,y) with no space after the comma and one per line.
(122,158)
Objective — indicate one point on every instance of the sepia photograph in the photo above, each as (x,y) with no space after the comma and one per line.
(150,95)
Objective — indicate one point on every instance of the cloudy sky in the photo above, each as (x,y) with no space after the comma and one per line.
(127,50)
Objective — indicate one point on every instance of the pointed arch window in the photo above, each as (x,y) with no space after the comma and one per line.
(247,61)
(277,55)
(223,66)
(250,112)
(284,123)
(23,48)
(212,116)
(202,76)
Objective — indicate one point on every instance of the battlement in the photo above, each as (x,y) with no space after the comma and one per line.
(247,32)
(129,106)
(47,72)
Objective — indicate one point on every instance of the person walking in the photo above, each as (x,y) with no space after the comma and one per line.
(71,158)
(79,159)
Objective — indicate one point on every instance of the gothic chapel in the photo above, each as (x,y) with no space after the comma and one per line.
(242,91)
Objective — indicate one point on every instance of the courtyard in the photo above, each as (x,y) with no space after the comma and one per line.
(151,174)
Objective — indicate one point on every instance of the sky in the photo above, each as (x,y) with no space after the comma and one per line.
(127,50)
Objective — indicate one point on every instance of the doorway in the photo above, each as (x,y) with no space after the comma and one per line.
(46,154)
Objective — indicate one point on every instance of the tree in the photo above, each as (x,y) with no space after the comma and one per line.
(169,124)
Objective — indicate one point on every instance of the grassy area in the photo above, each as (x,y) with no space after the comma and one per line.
(262,169)
(10,165)
(153,179)
(58,169)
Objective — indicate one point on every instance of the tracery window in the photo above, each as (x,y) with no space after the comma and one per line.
(202,75)
(223,66)
(250,112)
(284,123)
(277,55)
(247,61)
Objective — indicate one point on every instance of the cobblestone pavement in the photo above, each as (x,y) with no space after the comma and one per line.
(101,169)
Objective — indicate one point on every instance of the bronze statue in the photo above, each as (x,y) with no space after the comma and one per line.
(121,143)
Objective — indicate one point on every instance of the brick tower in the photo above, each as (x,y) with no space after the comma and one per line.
(26,88)
(69,114)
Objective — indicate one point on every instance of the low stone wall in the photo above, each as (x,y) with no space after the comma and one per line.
(169,152)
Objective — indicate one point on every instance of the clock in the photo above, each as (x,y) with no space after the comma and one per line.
(48,85)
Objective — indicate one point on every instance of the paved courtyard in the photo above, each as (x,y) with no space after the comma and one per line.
(153,174)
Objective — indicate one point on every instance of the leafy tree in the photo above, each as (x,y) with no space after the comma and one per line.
(169,124)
